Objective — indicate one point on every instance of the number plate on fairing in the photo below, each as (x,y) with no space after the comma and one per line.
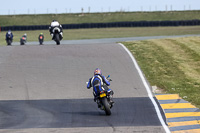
(103,95)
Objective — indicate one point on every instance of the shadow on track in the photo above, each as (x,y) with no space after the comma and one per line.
(67,113)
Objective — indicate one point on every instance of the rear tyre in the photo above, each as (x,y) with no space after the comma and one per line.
(106,106)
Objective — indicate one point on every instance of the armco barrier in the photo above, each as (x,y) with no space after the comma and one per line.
(107,25)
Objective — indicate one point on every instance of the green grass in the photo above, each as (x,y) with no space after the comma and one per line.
(77,34)
(171,64)
(9,20)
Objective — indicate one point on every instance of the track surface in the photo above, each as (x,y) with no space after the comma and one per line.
(105,40)
(42,89)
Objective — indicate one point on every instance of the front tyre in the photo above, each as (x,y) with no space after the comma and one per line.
(57,39)
(22,42)
(9,42)
(41,42)
(106,106)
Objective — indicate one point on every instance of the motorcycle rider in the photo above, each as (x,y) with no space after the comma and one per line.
(41,34)
(54,24)
(41,38)
(97,82)
(9,35)
(23,38)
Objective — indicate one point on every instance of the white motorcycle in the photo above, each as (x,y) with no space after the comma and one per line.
(57,35)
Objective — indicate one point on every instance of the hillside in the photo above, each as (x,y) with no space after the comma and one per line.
(10,20)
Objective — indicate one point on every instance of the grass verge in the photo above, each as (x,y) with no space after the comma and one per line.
(171,64)
(78,34)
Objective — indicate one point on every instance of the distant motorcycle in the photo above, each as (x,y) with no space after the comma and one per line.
(104,101)
(41,39)
(9,40)
(23,40)
(57,37)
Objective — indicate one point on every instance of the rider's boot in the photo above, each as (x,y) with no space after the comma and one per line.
(52,35)
(61,35)
(110,95)
(111,101)
(97,101)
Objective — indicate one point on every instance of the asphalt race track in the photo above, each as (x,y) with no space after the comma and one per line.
(43,90)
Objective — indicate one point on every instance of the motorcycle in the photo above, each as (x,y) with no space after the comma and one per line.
(57,37)
(9,40)
(103,100)
(41,39)
(22,40)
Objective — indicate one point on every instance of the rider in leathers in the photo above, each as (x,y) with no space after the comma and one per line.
(54,24)
(97,83)
(41,36)
(9,35)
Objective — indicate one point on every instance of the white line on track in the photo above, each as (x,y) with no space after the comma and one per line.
(148,89)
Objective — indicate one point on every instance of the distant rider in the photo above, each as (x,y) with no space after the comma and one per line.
(9,35)
(41,36)
(54,24)
(97,82)
(24,37)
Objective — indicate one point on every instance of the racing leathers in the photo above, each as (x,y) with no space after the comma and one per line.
(41,36)
(53,25)
(9,35)
(24,37)
(97,82)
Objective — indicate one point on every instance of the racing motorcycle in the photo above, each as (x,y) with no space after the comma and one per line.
(9,40)
(41,39)
(103,100)
(57,37)
(23,40)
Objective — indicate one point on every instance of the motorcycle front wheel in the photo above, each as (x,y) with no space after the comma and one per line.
(22,43)
(41,42)
(57,39)
(9,43)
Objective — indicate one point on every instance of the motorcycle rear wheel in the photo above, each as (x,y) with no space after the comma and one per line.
(106,106)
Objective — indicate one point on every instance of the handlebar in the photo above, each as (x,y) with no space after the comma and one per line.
(108,78)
